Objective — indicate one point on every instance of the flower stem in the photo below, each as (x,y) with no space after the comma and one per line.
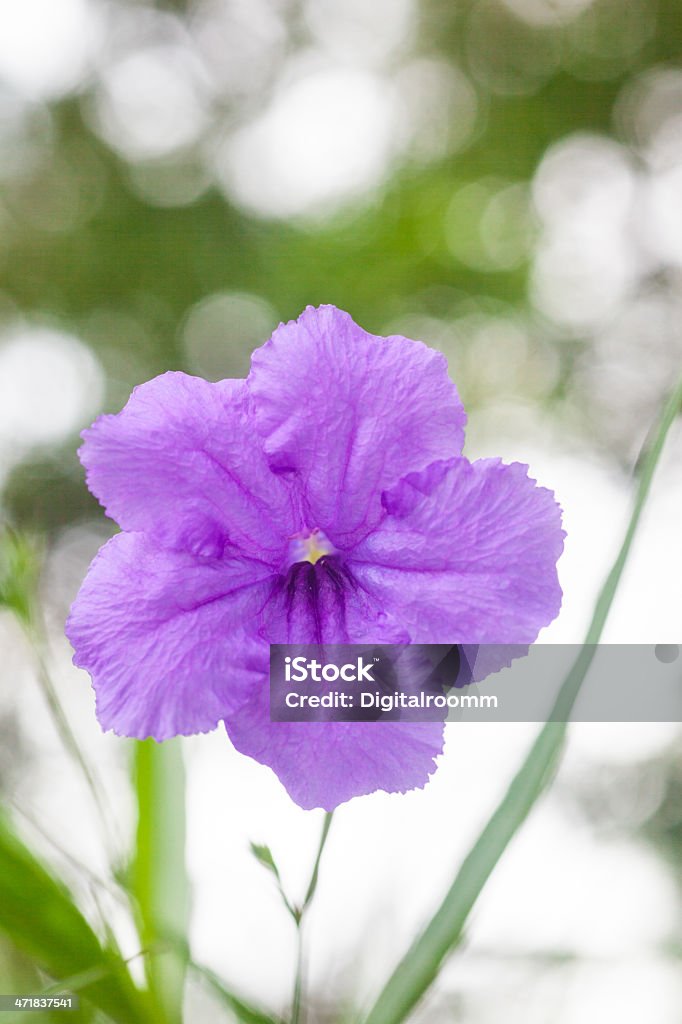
(297,1011)
(297,1002)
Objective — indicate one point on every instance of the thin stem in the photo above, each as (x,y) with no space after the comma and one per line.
(297,1010)
(112,888)
(37,641)
(645,469)
(297,1002)
(312,886)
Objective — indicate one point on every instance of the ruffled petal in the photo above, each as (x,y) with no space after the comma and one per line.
(349,414)
(324,764)
(162,637)
(466,554)
(182,463)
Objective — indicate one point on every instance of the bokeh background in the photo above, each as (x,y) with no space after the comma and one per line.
(499,178)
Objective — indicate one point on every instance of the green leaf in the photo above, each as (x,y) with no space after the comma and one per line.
(39,916)
(19,975)
(263,855)
(158,878)
(421,964)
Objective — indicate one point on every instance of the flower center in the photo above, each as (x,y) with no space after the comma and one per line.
(309,548)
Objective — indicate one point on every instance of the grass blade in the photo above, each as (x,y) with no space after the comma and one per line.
(421,964)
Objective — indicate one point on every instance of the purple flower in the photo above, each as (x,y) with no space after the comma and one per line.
(323,499)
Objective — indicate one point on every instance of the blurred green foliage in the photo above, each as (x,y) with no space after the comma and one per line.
(84,251)
(19,571)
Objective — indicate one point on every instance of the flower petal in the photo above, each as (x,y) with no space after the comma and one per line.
(350,414)
(323,764)
(161,636)
(181,462)
(466,554)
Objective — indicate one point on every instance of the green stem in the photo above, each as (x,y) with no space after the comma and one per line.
(421,964)
(297,1011)
(297,1001)
(312,885)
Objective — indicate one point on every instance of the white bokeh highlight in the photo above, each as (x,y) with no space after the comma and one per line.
(50,384)
(47,46)
(326,137)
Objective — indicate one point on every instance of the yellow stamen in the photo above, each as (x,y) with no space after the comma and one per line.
(316,547)
(311,548)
